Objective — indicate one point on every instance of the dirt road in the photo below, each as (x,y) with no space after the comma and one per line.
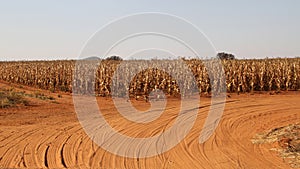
(47,134)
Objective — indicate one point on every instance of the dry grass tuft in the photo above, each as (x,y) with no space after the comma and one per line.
(11,98)
(288,141)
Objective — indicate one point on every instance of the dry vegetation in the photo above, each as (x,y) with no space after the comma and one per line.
(241,76)
(288,141)
(11,98)
(56,139)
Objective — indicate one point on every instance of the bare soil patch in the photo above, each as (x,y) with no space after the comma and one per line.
(47,134)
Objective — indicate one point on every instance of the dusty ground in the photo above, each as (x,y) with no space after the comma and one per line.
(47,134)
(285,140)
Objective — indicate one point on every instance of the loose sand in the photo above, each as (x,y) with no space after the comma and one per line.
(47,134)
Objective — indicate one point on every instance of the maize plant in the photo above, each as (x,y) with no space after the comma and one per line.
(241,76)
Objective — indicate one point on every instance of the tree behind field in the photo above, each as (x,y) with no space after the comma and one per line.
(114,58)
(226,56)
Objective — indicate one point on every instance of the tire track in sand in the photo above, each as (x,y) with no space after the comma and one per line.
(61,144)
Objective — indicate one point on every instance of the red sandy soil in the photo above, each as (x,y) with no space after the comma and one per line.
(47,134)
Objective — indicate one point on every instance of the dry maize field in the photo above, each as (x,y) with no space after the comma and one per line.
(241,75)
(39,126)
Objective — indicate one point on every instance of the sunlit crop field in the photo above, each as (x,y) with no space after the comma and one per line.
(241,75)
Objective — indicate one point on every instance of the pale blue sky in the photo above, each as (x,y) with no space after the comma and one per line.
(35,29)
